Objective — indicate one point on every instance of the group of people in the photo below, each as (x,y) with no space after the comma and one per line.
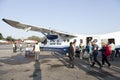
(15,47)
(91,52)
(36,49)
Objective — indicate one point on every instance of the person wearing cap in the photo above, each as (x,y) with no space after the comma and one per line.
(95,53)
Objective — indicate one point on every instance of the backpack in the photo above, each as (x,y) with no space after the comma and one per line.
(108,51)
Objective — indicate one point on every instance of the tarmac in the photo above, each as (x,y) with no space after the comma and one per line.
(52,66)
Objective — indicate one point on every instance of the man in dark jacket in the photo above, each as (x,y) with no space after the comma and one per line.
(71,55)
(95,53)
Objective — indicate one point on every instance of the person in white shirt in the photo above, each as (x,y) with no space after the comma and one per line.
(81,47)
(112,45)
(20,46)
(14,47)
(37,51)
(74,45)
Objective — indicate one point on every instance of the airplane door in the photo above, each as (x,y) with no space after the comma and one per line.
(88,39)
(112,40)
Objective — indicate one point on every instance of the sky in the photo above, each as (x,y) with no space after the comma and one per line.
(72,16)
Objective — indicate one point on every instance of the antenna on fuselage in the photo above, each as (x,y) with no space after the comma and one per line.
(49,31)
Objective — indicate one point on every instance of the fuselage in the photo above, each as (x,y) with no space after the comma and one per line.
(61,44)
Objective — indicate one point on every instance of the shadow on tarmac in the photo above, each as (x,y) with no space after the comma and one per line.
(21,59)
(95,72)
(37,72)
(16,60)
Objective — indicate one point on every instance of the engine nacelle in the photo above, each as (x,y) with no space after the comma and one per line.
(52,37)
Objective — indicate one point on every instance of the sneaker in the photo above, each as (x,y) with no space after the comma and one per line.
(72,67)
(36,60)
(109,65)
(103,65)
(91,65)
(100,67)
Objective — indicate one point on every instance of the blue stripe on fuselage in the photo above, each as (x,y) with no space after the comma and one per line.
(62,50)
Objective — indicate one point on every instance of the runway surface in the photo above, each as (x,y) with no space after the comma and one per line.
(52,66)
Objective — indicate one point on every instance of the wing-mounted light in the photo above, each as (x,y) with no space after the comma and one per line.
(27,29)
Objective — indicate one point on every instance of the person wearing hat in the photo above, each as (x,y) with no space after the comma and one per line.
(106,51)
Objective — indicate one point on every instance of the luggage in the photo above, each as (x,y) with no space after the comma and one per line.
(86,55)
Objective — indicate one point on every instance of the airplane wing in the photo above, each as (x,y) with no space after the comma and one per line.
(34,28)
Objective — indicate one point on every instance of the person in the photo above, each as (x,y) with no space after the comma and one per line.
(81,47)
(117,52)
(28,49)
(112,45)
(90,47)
(74,45)
(36,49)
(106,51)
(71,55)
(14,47)
(86,54)
(95,53)
(20,46)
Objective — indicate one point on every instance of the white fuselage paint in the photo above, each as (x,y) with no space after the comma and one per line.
(64,41)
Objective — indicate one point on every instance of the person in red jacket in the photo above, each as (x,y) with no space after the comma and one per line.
(106,51)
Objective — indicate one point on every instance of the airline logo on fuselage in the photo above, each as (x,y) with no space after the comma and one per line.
(55,43)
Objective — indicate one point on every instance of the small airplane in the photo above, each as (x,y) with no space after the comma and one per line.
(59,41)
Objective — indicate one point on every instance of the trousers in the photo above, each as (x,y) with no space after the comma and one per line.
(104,59)
(37,54)
(95,60)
